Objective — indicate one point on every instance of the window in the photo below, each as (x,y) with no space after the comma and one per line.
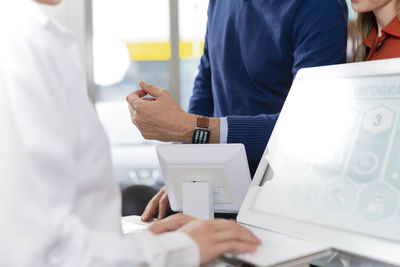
(192,31)
(351,41)
(131,42)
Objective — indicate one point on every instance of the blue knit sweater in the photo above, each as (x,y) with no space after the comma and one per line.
(252,52)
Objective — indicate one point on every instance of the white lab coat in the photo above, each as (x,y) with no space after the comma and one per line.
(59,201)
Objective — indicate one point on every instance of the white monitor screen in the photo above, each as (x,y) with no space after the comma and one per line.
(330,172)
(334,156)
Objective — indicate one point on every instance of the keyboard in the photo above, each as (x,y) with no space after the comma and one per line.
(132,224)
(277,249)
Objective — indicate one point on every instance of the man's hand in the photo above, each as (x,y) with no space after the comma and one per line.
(160,117)
(219,236)
(213,238)
(159,202)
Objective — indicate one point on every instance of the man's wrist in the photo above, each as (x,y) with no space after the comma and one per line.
(190,123)
(214,129)
(201,134)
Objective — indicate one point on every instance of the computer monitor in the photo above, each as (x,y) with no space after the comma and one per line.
(331,169)
(223,167)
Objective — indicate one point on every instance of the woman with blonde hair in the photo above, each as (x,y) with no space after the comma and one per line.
(377,29)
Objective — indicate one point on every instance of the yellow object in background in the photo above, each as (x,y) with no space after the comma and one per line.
(159,51)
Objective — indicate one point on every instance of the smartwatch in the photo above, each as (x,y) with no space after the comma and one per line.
(201,134)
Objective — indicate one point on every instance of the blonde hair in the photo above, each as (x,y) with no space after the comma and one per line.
(365,22)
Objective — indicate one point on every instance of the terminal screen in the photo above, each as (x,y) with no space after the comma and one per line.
(334,156)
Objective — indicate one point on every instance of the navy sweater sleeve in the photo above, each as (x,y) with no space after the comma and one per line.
(319,38)
(319,34)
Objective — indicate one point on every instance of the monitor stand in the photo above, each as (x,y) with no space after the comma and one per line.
(198,200)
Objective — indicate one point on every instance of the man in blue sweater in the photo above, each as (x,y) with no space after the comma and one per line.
(253,50)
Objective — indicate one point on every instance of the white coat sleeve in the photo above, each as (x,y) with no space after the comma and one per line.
(38,225)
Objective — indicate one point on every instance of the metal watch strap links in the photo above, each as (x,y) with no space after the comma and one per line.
(201,134)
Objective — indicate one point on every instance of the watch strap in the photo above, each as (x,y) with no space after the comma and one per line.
(202,122)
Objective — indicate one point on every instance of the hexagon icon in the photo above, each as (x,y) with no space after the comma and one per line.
(365,163)
(305,190)
(378,120)
(339,195)
(377,202)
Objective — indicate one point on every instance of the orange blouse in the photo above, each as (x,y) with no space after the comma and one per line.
(387,45)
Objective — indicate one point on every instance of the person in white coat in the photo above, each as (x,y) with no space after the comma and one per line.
(59,202)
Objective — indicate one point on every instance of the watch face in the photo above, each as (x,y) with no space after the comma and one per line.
(201,136)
